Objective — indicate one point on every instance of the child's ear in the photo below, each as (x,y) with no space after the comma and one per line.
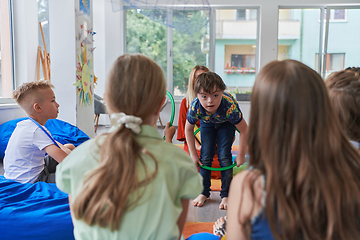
(36,107)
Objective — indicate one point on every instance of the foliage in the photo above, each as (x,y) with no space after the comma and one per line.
(149,37)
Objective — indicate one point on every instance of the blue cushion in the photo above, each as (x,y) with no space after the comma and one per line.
(61,131)
(34,211)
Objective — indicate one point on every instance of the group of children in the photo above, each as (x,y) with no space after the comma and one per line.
(130,184)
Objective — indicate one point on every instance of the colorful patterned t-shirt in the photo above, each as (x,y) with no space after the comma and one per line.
(228,110)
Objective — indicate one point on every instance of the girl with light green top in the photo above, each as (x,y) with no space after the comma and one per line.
(129,183)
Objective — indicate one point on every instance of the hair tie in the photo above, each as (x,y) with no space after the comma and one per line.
(131,122)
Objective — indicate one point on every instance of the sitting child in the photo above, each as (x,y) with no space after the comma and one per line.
(25,159)
(219,115)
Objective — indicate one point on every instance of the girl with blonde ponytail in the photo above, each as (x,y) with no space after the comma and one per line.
(129,183)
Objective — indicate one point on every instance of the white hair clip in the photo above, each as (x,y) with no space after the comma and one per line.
(131,122)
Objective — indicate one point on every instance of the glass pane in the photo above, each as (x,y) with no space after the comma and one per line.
(190,48)
(146,36)
(299,35)
(235,48)
(339,13)
(343,41)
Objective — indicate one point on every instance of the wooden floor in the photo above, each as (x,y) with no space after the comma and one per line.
(210,212)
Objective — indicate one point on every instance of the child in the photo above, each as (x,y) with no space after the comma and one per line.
(344,92)
(219,114)
(24,159)
(130,183)
(305,177)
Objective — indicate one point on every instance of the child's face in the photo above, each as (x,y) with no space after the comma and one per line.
(50,108)
(210,101)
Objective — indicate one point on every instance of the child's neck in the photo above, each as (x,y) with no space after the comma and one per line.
(38,119)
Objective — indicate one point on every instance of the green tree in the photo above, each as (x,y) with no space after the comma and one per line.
(149,37)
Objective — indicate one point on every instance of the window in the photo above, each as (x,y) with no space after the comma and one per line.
(235,47)
(299,35)
(241,14)
(6,76)
(246,14)
(336,14)
(334,62)
(243,61)
(148,33)
(343,42)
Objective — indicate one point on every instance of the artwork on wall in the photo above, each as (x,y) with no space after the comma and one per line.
(85,78)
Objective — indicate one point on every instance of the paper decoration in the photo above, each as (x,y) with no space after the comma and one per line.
(85,78)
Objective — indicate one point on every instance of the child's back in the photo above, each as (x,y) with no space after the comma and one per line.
(129,183)
(24,155)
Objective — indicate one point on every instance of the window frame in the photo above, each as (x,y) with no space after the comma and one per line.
(212,36)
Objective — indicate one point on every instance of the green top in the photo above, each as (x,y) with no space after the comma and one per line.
(156,214)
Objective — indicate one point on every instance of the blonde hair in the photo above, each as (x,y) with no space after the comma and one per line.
(312,171)
(190,94)
(28,93)
(344,91)
(135,86)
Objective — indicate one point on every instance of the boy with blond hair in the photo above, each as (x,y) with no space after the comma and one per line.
(25,159)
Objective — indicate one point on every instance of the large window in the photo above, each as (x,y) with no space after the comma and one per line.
(343,42)
(299,35)
(147,32)
(303,35)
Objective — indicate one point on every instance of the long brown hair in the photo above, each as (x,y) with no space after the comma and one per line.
(312,171)
(344,92)
(135,86)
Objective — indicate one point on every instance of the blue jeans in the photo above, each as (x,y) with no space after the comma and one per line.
(221,134)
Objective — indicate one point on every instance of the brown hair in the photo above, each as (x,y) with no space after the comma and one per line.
(312,171)
(190,94)
(28,93)
(135,86)
(355,70)
(344,91)
(207,81)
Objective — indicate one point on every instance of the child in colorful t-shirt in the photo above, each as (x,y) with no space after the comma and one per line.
(219,115)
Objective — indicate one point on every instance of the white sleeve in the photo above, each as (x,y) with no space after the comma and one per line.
(41,140)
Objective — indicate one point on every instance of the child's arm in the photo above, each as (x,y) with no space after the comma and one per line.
(190,139)
(182,218)
(66,148)
(56,153)
(240,158)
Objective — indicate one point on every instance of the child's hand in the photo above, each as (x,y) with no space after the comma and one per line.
(196,160)
(240,160)
(169,132)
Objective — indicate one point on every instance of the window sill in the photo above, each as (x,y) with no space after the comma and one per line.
(8,106)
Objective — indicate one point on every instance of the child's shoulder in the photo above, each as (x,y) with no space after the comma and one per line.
(228,97)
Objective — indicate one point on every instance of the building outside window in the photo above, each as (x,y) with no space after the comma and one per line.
(235,47)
